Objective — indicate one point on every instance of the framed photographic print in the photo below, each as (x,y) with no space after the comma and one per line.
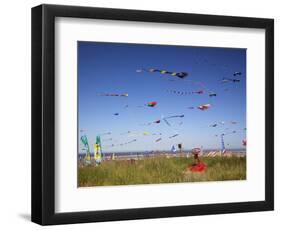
(142,114)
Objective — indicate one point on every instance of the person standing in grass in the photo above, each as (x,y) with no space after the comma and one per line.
(199,166)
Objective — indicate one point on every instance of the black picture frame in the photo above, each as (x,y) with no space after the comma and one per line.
(43,114)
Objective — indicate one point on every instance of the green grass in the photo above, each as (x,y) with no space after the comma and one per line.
(161,170)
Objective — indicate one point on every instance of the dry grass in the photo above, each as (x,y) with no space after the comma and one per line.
(161,170)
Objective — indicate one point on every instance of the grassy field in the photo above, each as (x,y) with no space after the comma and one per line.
(161,170)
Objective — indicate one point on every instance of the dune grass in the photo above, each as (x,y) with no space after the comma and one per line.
(161,170)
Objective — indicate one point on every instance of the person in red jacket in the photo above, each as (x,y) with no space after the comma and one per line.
(199,166)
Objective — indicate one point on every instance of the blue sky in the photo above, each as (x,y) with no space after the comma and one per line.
(111,68)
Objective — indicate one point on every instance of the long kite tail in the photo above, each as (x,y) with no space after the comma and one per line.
(175,74)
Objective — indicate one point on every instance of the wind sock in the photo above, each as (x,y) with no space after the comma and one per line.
(97,151)
(84,141)
(222,144)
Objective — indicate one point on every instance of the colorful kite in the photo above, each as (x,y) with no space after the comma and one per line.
(197,92)
(154,134)
(212,94)
(204,107)
(237,73)
(174,136)
(204,88)
(175,74)
(175,116)
(201,107)
(165,119)
(134,140)
(154,122)
(180,93)
(223,123)
(125,143)
(226,80)
(184,93)
(115,95)
(151,104)
(223,150)
(166,122)
(107,133)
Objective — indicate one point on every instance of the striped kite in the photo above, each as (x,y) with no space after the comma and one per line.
(185,93)
(175,74)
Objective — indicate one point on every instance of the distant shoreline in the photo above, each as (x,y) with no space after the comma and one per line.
(242,150)
(168,154)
